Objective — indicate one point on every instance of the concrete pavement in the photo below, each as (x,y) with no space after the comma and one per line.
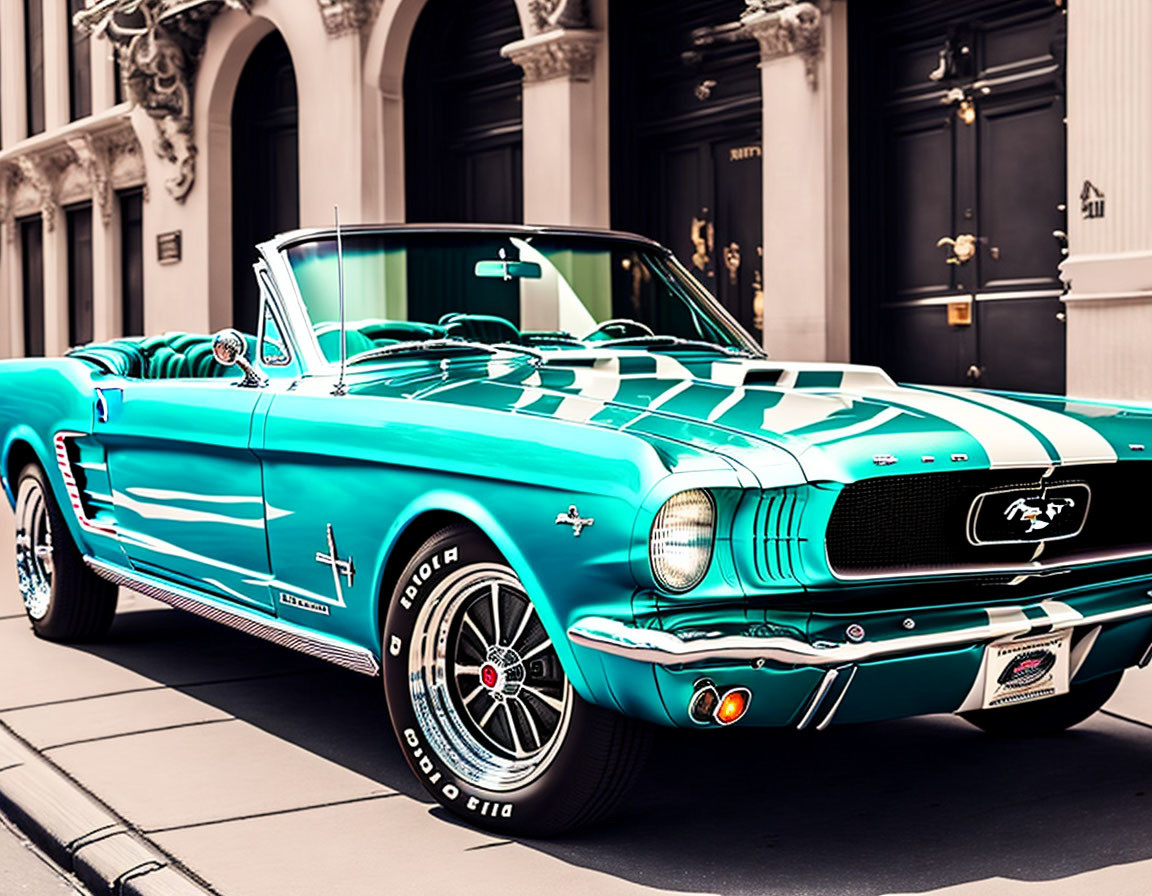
(25,871)
(266,773)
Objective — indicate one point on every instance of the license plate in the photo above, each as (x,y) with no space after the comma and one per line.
(1017,671)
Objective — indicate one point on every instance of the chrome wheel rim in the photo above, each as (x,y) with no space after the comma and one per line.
(33,548)
(486,683)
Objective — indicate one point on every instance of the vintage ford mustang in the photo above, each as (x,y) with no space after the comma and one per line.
(543,485)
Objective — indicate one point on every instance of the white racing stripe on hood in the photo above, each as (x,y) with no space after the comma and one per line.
(855,429)
(1006,442)
(1076,442)
(795,410)
(594,387)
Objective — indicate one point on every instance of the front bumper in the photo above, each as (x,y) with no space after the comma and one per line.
(937,666)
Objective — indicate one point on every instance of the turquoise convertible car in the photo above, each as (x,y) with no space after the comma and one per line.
(542,484)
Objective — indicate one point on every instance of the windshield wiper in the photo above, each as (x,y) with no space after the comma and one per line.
(655,343)
(440,345)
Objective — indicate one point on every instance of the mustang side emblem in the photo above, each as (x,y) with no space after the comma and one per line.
(340,567)
(572,518)
(1037,512)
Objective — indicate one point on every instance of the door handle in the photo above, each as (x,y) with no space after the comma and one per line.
(974,374)
(105,399)
(963,247)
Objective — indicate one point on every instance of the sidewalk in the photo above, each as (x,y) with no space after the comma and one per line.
(266,773)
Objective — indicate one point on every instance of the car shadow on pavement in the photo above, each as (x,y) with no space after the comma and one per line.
(890,807)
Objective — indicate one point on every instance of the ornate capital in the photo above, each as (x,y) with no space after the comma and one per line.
(555,54)
(93,159)
(7,203)
(160,43)
(786,27)
(347,16)
(558,15)
(41,176)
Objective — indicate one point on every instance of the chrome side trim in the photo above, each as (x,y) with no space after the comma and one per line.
(831,714)
(818,697)
(1146,659)
(666,649)
(350,656)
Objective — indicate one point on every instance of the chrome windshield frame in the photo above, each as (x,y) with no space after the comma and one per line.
(295,313)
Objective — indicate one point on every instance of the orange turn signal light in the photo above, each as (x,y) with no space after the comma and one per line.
(733,705)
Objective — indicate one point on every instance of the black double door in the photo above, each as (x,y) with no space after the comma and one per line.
(687,142)
(959,205)
(265,167)
(462,115)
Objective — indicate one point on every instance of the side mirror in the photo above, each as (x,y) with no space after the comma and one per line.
(228,348)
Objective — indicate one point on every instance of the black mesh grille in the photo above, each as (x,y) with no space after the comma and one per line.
(903,524)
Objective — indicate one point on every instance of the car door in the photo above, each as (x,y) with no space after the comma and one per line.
(186,487)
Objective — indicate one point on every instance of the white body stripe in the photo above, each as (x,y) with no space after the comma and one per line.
(1006,442)
(1076,442)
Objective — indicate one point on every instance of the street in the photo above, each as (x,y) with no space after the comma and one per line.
(262,771)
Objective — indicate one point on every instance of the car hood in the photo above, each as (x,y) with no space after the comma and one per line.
(838,422)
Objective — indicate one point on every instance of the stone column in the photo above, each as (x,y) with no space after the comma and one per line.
(13,119)
(1109,268)
(565,127)
(57,36)
(804,87)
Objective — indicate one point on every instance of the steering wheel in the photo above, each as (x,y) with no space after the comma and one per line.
(618,328)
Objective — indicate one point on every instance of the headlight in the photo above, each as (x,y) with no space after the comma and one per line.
(680,546)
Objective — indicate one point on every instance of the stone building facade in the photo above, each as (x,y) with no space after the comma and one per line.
(956,190)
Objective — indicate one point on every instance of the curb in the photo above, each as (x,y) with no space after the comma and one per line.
(81,834)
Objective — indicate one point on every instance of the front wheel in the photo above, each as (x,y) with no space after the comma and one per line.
(64,599)
(481,706)
(1048,716)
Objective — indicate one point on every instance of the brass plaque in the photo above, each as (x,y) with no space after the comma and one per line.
(960,313)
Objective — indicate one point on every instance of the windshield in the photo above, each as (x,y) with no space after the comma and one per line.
(413,291)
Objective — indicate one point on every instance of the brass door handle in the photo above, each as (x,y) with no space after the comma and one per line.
(963,247)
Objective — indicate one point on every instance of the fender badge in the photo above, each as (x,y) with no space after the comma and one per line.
(291,600)
(340,567)
(572,518)
(855,632)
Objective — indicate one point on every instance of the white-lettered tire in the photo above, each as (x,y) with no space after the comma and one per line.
(64,599)
(1050,716)
(481,706)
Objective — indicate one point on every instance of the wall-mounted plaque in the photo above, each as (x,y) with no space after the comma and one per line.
(169,247)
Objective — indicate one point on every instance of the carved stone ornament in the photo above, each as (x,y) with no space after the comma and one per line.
(786,27)
(346,16)
(555,54)
(41,175)
(7,203)
(555,15)
(159,44)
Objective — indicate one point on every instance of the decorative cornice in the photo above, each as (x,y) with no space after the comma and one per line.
(559,15)
(347,16)
(160,43)
(787,27)
(555,54)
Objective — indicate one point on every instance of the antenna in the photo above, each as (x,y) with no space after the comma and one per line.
(340,388)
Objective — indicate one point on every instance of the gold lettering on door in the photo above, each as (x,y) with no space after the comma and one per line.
(740,153)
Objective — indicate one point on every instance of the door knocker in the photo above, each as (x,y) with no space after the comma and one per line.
(963,247)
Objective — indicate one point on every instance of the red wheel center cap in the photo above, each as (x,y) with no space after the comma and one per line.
(489,675)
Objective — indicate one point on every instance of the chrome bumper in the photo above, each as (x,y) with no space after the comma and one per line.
(667,649)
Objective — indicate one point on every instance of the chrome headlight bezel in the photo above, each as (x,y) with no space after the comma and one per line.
(685,503)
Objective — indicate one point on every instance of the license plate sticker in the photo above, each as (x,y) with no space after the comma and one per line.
(1017,671)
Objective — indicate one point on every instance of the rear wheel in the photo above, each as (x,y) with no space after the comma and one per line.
(480,703)
(64,599)
(1048,716)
